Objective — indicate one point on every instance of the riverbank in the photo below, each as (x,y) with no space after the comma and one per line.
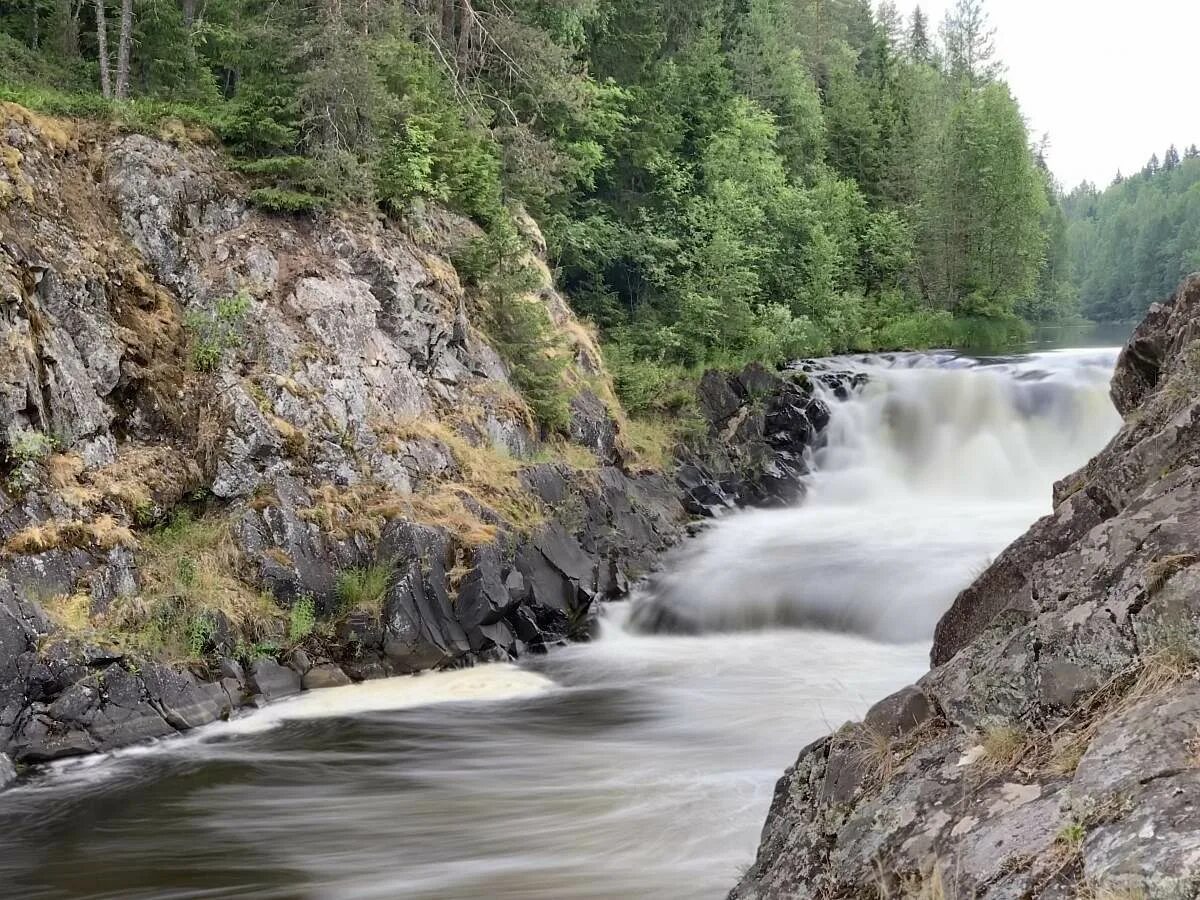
(247,454)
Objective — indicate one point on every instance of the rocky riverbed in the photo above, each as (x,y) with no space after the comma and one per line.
(1054,750)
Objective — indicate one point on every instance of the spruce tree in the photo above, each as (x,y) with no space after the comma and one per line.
(918,37)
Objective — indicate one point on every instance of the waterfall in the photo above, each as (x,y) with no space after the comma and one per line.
(926,472)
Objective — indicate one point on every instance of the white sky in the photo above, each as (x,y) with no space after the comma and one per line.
(1112,82)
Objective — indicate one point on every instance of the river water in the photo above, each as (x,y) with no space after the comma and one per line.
(640,765)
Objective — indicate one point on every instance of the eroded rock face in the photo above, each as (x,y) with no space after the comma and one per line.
(1054,744)
(762,428)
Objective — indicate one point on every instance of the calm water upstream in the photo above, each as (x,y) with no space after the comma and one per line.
(640,765)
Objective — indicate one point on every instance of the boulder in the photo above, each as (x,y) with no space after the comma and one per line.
(272,681)
(325,675)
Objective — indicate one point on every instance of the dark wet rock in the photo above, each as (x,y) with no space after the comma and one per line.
(592,426)
(183,701)
(762,428)
(299,661)
(717,399)
(326,675)
(273,681)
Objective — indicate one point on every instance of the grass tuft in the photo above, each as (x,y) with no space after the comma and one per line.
(363,588)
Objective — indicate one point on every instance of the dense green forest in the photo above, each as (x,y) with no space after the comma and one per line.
(719,180)
(1131,244)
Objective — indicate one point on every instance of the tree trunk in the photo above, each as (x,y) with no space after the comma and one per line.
(123,49)
(102,49)
(189,13)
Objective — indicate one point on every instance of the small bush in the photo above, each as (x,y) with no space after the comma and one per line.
(215,331)
(200,631)
(29,446)
(518,324)
(1003,746)
(302,619)
(280,200)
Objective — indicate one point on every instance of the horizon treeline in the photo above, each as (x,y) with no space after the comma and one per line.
(718,180)
(1132,243)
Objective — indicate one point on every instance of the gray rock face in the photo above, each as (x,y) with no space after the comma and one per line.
(1077,650)
(316,381)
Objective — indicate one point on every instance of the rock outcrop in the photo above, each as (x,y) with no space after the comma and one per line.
(1054,750)
(243,455)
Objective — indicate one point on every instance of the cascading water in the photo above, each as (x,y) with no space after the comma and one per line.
(640,765)
(936,463)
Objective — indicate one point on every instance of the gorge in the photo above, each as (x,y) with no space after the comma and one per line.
(640,763)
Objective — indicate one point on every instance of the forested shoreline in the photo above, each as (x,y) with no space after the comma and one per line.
(719,182)
(1131,243)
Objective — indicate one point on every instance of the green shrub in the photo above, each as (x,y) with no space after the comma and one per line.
(275,167)
(212,332)
(29,446)
(280,200)
(518,324)
(200,632)
(302,619)
(363,588)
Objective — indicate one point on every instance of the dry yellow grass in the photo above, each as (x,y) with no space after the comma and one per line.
(64,469)
(56,134)
(71,613)
(1003,746)
(190,572)
(294,440)
(365,508)
(652,444)
(102,534)
(485,474)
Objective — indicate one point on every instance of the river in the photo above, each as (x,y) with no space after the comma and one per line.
(639,765)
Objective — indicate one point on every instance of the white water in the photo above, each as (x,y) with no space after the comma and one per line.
(640,765)
(935,466)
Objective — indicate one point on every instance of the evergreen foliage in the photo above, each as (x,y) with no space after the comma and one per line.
(1130,245)
(719,182)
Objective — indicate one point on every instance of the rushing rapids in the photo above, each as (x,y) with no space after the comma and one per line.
(639,765)
(934,464)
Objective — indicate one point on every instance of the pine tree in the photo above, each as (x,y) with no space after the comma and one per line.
(124,47)
(918,37)
(1152,167)
(1193,152)
(970,42)
(1171,159)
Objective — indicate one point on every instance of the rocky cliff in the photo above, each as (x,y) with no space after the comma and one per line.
(1054,750)
(244,454)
